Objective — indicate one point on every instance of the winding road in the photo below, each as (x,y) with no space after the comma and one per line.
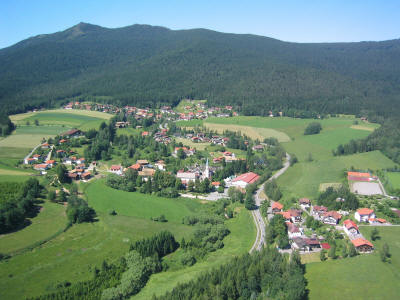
(258,219)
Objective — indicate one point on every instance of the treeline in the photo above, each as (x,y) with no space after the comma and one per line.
(123,278)
(17,202)
(272,190)
(162,183)
(262,275)
(336,199)
(78,211)
(6,126)
(276,231)
(386,139)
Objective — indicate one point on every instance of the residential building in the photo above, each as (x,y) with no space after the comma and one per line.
(364,214)
(293,230)
(186,177)
(304,203)
(350,228)
(116,169)
(276,207)
(331,217)
(362,245)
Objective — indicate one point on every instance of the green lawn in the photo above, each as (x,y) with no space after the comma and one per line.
(394,179)
(104,199)
(50,219)
(361,277)
(239,241)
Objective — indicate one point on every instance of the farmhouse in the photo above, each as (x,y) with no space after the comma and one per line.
(331,217)
(41,167)
(295,215)
(376,221)
(362,245)
(136,167)
(45,146)
(245,179)
(73,133)
(142,162)
(305,244)
(29,161)
(304,203)
(293,230)
(50,162)
(86,175)
(160,165)
(364,214)
(286,215)
(116,169)
(276,207)
(146,173)
(350,228)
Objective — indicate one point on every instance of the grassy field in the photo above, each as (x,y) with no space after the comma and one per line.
(361,277)
(81,119)
(238,242)
(252,132)
(394,179)
(73,255)
(50,219)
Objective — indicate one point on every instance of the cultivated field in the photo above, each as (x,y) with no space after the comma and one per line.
(252,132)
(360,277)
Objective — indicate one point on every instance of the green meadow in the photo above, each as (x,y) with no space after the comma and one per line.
(239,241)
(73,255)
(49,220)
(361,277)
(394,179)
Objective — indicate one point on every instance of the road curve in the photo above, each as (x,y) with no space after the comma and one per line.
(257,217)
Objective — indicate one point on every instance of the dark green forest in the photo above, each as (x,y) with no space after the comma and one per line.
(146,65)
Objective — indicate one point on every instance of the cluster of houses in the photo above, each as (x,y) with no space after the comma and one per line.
(227,156)
(201,137)
(161,136)
(142,166)
(186,150)
(79,171)
(301,242)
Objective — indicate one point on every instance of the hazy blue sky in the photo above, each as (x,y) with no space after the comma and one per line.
(297,21)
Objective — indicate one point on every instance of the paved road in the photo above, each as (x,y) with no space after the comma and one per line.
(258,219)
(33,150)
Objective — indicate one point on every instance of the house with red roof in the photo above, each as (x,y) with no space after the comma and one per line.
(41,167)
(276,207)
(364,214)
(318,211)
(362,245)
(136,167)
(116,169)
(29,161)
(331,217)
(245,179)
(286,215)
(350,227)
(325,246)
(295,215)
(51,162)
(377,221)
(304,202)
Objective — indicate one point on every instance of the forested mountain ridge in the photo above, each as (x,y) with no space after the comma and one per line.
(147,65)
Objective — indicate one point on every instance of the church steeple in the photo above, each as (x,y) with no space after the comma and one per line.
(206,171)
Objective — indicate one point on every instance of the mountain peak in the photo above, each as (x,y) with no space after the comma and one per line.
(82,28)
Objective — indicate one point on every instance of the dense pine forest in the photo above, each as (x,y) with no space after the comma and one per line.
(146,65)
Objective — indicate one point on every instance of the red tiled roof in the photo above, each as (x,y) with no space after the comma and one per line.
(319,208)
(359,174)
(305,200)
(360,242)
(215,183)
(365,211)
(51,161)
(350,224)
(277,205)
(285,214)
(115,168)
(135,167)
(249,177)
(333,214)
(325,246)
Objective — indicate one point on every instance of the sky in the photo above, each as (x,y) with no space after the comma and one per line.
(287,20)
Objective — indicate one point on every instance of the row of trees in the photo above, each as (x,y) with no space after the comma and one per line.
(276,231)
(17,202)
(261,275)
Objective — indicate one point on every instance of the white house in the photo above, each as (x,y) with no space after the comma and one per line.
(186,177)
(243,180)
(304,203)
(116,169)
(350,228)
(293,230)
(331,217)
(364,214)
(160,165)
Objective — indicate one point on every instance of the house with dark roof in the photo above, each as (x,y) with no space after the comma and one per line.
(73,133)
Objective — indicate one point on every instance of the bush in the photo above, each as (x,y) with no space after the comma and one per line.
(313,128)
(187,259)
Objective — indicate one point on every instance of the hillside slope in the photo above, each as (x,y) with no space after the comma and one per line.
(146,65)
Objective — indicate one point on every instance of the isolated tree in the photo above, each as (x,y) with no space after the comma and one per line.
(313,128)
(36,122)
(352,250)
(322,255)
(61,172)
(384,253)
(374,234)
(332,252)
(344,251)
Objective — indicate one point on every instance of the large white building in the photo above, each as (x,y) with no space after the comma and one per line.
(243,180)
